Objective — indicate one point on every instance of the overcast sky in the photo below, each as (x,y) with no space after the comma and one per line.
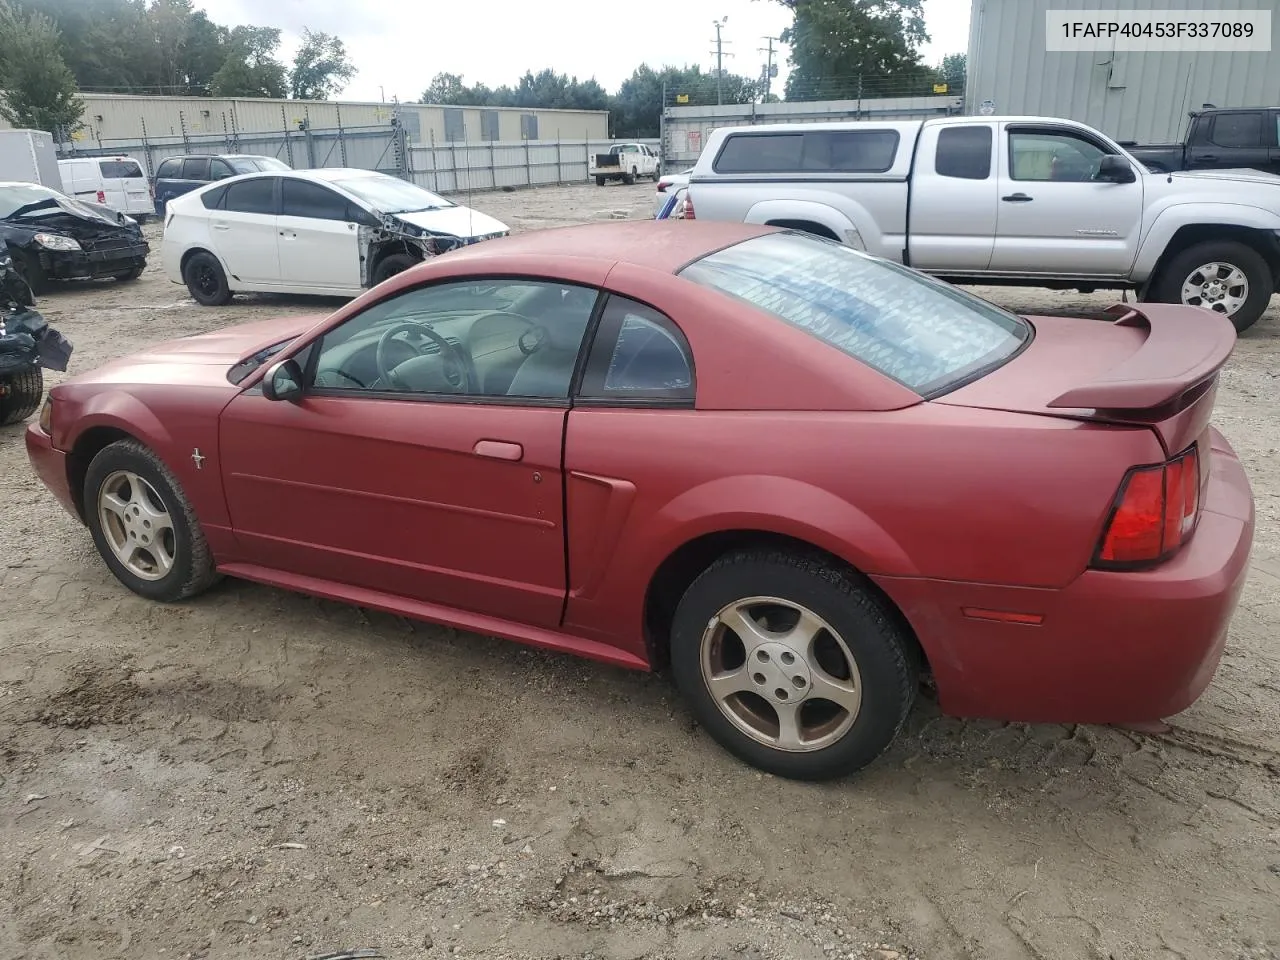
(399,46)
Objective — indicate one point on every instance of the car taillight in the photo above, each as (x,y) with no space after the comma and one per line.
(662,186)
(686,207)
(1154,514)
(102,197)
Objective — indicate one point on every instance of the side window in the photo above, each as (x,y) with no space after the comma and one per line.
(195,168)
(212,199)
(509,338)
(1237,130)
(120,169)
(251,196)
(1046,156)
(964,152)
(638,354)
(760,153)
(834,151)
(300,198)
(219,169)
(169,169)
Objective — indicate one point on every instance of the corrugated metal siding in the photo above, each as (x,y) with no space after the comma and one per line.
(1127,95)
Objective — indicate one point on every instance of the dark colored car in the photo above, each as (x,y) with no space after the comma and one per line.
(802,476)
(1219,139)
(51,236)
(178,175)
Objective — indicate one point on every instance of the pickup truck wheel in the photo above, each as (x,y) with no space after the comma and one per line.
(1222,275)
(629,178)
(792,664)
(599,181)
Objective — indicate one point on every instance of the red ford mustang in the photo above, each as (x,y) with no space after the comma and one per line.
(803,477)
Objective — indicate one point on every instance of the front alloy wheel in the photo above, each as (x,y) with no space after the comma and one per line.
(136,525)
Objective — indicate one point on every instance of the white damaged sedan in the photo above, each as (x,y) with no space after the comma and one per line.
(330,232)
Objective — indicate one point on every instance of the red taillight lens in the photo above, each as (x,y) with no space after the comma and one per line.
(686,211)
(102,197)
(1154,514)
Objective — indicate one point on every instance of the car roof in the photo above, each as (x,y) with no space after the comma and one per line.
(665,245)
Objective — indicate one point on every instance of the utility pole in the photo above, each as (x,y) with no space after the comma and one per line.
(720,55)
(770,71)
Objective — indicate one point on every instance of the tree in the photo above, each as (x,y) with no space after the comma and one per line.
(448,89)
(104,42)
(636,110)
(320,67)
(251,68)
(37,88)
(954,69)
(842,49)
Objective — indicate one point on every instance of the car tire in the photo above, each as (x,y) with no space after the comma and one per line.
(629,178)
(130,275)
(162,524)
(388,267)
(206,281)
(29,269)
(1238,260)
(856,635)
(20,395)
(599,181)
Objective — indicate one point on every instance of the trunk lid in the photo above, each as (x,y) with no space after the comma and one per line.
(1155,367)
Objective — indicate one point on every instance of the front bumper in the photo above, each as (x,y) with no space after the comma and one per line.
(50,465)
(1112,647)
(107,261)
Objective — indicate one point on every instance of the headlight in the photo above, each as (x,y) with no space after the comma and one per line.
(53,241)
(46,416)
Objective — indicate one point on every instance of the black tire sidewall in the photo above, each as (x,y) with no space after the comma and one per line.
(889,674)
(391,265)
(26,390)
(118,456)
(1254,265)
(223,294)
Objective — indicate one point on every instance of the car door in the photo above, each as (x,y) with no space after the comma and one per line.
(953,197)
(1053,218)
(125,186)
(428,474)
(243,231)
(318,237)
(1235,139)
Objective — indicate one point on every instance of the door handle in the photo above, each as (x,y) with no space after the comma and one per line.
(1211,157)
(221,226)
(498,450)
(1017,198)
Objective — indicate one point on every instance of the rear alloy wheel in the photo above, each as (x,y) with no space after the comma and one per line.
(143,526)
(20,394)
(206,282)
(792,664)
(1220,275)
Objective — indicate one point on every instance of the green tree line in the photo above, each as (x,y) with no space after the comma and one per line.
(51,50)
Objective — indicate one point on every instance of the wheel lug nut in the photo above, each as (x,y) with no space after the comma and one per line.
(781,694)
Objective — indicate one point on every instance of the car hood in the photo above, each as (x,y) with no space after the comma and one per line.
(1235,175)
(456,221)
(203,359)
(72,218)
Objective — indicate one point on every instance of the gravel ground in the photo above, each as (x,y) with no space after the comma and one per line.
(259,774)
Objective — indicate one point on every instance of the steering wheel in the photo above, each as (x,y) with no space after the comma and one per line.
(456,372)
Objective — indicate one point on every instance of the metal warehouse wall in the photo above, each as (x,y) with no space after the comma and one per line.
(110,117)
(1128,95)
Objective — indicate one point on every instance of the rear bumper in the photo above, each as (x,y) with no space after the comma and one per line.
(50,465)
(1113,647)
(92,264)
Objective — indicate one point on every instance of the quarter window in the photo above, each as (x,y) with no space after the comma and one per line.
(462,339)
(299,198)
(827,151)
(638,354)
(251,196)
(1051,156)
(964,152)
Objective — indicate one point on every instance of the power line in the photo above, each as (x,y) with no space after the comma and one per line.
(770,71)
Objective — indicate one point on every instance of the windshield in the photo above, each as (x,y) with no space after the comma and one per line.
(391,194)
(256,164)
(923,333)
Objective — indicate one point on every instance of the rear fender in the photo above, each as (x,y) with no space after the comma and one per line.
(768,211)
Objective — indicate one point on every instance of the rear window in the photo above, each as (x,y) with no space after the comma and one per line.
(823,151)
(120,169)
(925,334)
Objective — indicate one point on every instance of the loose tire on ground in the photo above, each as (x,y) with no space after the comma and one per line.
(206,281)
(1180,270)
(20,395)
(388,267)
(853,625)
(131,475)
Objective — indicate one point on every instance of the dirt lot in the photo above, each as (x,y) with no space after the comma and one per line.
(259,774)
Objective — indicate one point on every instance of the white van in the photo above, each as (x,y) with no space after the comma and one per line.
(115,182)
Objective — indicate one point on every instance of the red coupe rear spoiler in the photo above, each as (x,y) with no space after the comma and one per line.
(1185,348)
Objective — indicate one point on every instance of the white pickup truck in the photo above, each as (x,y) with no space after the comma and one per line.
(625,162)
(1029,201)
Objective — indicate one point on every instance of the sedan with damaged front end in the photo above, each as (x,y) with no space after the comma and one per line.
(51,236)
(329,232)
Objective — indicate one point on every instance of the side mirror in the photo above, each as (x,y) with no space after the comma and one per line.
(1115,169)
(283,381)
